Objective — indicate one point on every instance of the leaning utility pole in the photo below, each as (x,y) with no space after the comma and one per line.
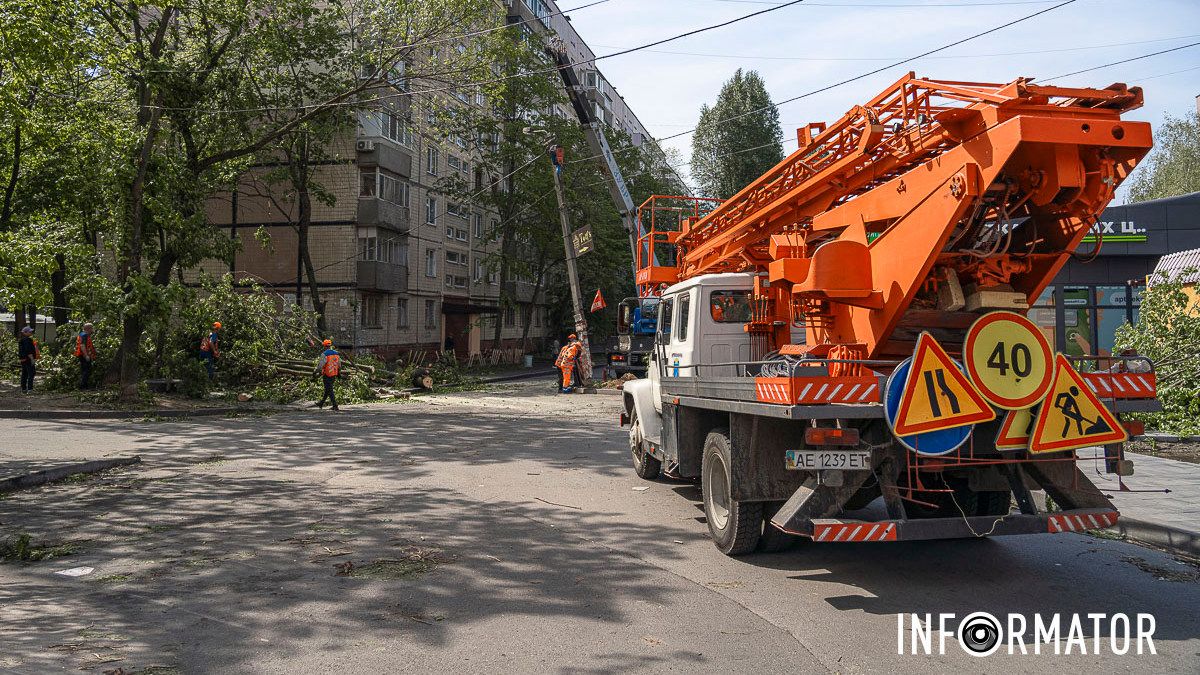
(585,358)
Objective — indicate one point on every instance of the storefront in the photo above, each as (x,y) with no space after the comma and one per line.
(1081,310)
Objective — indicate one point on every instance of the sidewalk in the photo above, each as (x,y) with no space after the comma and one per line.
(1170,520)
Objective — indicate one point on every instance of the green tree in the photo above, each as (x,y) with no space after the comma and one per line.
(1174,167)
(1168,332)
(737,139)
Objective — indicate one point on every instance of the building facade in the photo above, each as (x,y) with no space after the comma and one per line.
(400,265)
(1093,295)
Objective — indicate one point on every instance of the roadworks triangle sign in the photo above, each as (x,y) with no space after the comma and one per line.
(1072,416)
(938,394)
(1015,430)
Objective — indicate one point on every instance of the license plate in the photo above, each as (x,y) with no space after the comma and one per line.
(816,460)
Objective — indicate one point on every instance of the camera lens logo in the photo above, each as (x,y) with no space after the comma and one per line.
(979,634)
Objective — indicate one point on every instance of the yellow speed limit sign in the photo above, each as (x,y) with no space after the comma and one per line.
(1009,360)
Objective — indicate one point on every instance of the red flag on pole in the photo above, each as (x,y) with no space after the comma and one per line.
(598,302)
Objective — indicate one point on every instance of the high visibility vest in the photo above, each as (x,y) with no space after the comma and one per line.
(332,365)
(84,346)
(208,343)
(567,356)
(37,352)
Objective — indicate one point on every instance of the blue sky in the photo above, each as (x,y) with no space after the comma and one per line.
(811,45)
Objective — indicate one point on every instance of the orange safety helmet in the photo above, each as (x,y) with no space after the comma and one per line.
(328,343)
(217,325)
(572,336)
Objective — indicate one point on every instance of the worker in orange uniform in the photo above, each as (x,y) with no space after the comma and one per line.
(568,356)
(210,350)
(85,351)
(329,365)
(28,354)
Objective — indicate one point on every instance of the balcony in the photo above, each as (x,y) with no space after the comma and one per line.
(381,213)
(384,153)
(382,276)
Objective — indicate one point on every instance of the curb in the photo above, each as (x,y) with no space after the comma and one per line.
(58,473)
(1170,538)
(533,372)
(1170,438)
(122,414)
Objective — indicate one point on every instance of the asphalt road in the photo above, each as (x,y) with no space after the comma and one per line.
(501,531)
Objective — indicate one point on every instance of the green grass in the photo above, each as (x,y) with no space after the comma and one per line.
(23,549)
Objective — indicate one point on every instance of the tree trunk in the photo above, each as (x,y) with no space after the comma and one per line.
(11,188)
(18,320)
(58,285)
(300,177)
(537,288)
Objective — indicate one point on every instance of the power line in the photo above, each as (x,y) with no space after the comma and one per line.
(881,69)
(888,58)
(901,4)
(1117,63)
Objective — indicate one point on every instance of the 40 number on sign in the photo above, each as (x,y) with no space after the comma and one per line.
(1008,359)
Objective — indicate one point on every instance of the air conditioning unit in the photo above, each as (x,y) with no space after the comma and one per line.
(365,146)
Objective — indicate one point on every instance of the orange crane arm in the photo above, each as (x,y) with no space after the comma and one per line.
(931,190)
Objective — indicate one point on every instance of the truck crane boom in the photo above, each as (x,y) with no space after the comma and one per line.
(594,133)
(931,186)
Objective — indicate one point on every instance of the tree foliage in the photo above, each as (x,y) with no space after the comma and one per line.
(1168,332)
(1174,166)
(737,139)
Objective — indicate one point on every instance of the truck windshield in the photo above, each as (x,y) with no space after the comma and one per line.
(729,306)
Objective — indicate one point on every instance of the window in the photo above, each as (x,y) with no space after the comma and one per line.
(456,258)
(729,306)
(525,314)
(449,232)
(396,128)
(392,188)
(510,317)
(479,226)
(685,309)
(454,162)
(431,262)
(479,269)
(370,312)
(432,157)
(367,248)
(431,315)
(402,313)
(665,313)
(461,235)
(430,210)
(369,186)
(457,210)
(455,281)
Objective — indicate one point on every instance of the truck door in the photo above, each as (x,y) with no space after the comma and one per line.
(661,353)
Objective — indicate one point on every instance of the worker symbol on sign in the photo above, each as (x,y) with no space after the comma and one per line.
(1066,402)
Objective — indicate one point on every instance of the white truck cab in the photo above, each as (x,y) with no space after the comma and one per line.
(700,321)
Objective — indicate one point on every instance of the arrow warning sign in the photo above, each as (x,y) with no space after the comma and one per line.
(1072,416)
(938,394)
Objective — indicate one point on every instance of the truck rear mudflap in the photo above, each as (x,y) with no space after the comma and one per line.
(827,530)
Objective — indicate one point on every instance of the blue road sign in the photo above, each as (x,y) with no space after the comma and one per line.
(932,443)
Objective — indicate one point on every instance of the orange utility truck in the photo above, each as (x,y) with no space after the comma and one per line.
(842,350)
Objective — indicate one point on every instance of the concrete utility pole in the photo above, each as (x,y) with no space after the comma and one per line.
(585,360)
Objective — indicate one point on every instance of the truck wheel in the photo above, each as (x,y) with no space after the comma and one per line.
(735,526)
(645,465)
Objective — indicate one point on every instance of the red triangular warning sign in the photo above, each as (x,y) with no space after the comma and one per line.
(1072,416)
(1015,430)
(598,302)
(938,394)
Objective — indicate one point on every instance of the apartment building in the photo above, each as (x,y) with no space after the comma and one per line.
(401,266)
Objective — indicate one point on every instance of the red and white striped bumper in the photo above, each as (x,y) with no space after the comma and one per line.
(1081,522)
(841,531)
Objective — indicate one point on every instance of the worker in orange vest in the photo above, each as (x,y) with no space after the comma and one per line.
(566,361)
(27,354)
(210,350)
(329,365)
(85,351)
